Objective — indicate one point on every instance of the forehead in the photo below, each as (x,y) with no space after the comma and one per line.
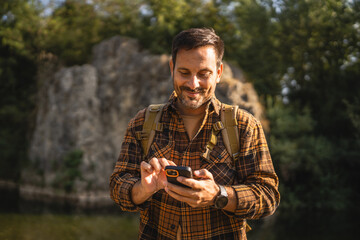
(203,57)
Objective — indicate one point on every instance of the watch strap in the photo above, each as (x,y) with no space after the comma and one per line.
(223,191)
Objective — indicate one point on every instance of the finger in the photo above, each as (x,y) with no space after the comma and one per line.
(154,162)
(171,163)
(181,190)
(203,173)
(193,202)
(192,183)
(144,166)
(163,162)
(173,194)
(195,184)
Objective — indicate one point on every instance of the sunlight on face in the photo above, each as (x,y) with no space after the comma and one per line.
(195,76)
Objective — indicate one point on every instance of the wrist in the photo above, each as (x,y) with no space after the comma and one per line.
(139,194)
(146,190)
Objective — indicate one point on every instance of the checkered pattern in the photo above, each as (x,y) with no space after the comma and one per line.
(252,176)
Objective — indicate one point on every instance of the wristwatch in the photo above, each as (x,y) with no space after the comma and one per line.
(221,200)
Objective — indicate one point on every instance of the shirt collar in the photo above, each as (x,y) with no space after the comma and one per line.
(213,104)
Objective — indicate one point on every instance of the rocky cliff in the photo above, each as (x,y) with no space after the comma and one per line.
(83,111)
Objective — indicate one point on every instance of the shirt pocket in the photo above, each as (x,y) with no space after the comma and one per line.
(161,146)
(221,165)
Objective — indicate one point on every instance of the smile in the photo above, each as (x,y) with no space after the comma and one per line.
(192,93)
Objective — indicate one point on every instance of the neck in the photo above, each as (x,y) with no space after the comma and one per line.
(190,111)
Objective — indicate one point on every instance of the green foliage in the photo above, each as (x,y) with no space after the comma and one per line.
(71,31)
(68,171)
(312,177)
(319,58)
(20,27)
(19,21)
(353,112)
(254,48)
(120,17)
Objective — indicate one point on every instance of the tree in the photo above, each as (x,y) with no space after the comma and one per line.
(319,45)
(18,34)
(71,31)
(318,49)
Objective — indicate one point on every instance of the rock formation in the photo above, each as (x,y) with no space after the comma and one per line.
(86,109)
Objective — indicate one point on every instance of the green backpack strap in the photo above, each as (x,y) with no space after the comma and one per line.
(227,126)
(230,132)
(151,124)
(217,127)
(230,135)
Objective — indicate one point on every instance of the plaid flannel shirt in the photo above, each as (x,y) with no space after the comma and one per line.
(252,176)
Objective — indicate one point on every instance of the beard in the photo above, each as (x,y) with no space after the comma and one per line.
(191,102)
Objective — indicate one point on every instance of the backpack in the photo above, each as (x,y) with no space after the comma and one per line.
(227,126)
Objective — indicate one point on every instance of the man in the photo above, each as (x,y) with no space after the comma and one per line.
(248,183)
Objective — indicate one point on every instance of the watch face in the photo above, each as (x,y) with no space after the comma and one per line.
(221,202)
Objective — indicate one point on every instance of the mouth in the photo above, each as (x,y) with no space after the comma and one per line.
(192,93)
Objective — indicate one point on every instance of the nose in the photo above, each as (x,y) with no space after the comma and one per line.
(193,82)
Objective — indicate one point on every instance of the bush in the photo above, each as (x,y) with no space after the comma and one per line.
(69,171)
(311,174)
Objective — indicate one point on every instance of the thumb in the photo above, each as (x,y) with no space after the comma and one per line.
(203,173)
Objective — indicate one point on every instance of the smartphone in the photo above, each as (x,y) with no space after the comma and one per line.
(172,172)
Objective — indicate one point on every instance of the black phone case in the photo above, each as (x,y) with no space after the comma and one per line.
(181,171)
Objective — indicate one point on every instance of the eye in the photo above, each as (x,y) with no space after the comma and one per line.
(204,75)
(184,74)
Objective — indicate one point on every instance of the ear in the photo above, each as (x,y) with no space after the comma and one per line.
(219,73)
(171,65)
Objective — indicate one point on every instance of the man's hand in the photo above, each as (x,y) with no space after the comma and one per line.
(203,189)
(153,179)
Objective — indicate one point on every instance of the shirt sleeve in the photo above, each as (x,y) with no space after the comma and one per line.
(257,194)
(127,169)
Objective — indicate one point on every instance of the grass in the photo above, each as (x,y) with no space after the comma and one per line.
(67,227)
(125,227)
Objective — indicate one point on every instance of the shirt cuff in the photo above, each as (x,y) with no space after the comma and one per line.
(246,202)
(126,201)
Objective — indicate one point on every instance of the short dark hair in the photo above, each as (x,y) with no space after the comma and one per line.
(198,37)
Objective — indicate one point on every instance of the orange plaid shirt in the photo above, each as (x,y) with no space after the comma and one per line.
(252,176)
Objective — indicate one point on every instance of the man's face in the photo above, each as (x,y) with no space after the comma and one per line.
(195,76)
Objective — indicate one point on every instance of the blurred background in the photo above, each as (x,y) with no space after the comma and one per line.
(73,72)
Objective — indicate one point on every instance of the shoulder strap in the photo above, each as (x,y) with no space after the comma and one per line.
(230,135)
(227,126)
(151,124)
(230,131)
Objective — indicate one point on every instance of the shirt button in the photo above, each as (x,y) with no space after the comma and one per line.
(172,226)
